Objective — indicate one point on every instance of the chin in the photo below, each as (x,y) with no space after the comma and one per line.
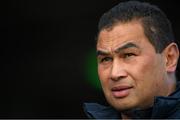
(123,105)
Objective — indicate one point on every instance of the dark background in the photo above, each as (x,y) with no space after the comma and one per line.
(44,44)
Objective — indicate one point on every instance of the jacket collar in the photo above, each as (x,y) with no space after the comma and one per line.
(95,110)
(163,107)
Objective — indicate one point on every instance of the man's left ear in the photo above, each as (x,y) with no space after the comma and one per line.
(171,53)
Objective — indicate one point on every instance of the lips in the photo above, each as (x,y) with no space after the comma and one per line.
(121,91)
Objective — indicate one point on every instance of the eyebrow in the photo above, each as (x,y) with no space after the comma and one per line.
(118,50)
(99,52)
(126,46)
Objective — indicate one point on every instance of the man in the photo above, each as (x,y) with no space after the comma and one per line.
(137,60)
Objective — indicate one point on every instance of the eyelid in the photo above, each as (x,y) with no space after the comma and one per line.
(133,51)
(127,54)
(104,59)
(132,54)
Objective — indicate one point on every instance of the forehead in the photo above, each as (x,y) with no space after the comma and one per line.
(121,34)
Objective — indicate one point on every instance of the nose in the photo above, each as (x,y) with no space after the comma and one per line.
(118,71)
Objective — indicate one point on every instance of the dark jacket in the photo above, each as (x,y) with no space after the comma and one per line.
(164,107)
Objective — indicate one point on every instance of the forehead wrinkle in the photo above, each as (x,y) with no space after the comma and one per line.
(109,37)
(111,40)
(119,48)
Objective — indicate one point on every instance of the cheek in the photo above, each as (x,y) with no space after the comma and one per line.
(144,71)
(148,73)
(147,66)
(103,75)
(153,69)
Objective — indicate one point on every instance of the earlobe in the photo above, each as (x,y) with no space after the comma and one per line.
(172,56)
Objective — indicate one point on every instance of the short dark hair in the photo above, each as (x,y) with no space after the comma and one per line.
(157,27)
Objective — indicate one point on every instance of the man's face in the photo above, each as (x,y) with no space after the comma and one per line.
(130,71)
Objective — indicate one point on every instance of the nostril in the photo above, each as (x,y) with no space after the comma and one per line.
(117,78)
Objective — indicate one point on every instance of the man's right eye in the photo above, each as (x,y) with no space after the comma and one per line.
(106,59)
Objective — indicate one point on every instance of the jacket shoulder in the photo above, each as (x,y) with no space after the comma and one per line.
(175,113)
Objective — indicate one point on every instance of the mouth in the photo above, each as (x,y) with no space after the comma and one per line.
(121,91)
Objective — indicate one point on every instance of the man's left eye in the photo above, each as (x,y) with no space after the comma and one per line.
(126,55)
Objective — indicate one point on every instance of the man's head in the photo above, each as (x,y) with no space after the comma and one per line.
(157,27)
(137,57)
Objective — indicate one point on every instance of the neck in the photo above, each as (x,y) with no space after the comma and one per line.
(171,84)
(137,114)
